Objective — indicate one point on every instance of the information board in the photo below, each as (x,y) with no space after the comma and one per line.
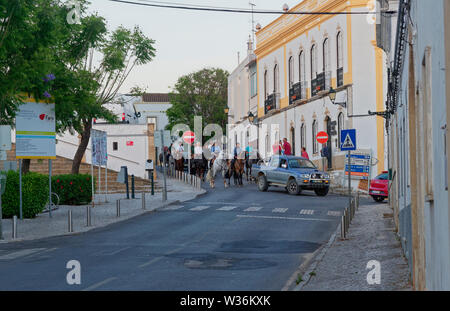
(99,141)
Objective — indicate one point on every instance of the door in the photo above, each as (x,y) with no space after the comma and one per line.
(329,144)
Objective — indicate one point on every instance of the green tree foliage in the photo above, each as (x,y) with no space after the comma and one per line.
(202,93)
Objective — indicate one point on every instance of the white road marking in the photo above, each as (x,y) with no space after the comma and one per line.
(334,213)
(227,208)
(199,208)
(253,209)
(307,212)
(117,251)
(97,285)
(283,218)
(279,210)
(21,253)
(172,208)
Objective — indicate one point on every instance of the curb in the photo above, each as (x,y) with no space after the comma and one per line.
(322,251)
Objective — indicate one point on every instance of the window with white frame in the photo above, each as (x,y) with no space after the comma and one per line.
(303,135)
(339,50)
(314,134)
(313,62)
(301,66)
(291,71)
(326,55)
(276,79)
(266,93)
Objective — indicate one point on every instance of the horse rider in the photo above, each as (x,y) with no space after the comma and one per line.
(215,150)
(236,153)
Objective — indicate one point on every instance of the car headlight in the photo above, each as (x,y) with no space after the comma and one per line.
(305,176)
(326,176)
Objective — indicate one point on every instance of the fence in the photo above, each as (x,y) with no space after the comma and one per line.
(181,176)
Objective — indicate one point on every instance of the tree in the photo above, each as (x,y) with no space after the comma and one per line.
(202,93)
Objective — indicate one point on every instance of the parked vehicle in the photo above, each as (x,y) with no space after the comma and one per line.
(379,187)
(293,173)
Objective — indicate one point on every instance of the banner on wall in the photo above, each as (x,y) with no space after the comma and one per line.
(99,148)
(35,130)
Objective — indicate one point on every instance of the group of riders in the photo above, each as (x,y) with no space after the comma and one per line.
(236,166)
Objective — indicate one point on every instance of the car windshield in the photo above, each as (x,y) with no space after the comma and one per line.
(382,177)
(300,163)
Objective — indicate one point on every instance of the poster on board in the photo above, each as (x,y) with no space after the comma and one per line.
(35,131)
(99,141)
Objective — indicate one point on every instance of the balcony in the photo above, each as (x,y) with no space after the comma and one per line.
(340,77)
(272,102)
(318,84)
(295,92)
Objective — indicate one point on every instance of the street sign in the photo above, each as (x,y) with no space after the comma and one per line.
(189,137)
(5,137)
(322,137)
(99,141)
(348,140)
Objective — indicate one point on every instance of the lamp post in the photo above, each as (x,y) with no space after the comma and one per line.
(332,95)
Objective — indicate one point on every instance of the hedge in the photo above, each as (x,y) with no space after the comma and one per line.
(34,194)
(72,189)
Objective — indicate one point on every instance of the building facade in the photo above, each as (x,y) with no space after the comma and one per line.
(419,142)
(299,58)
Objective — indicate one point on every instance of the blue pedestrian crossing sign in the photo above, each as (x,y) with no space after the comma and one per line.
(348,140)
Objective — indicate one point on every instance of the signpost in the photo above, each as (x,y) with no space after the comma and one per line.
(189,138)
(35,138)
(348,143)
(99,149)
(322,138)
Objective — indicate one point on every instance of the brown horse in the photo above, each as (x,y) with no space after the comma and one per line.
(238,170)
(179,164)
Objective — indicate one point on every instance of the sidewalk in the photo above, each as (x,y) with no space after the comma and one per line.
(101,215)
(343,265)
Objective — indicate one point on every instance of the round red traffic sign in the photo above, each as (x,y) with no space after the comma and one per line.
(322,137)
(189,137)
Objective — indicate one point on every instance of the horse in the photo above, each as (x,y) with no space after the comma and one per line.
(219,164)
(238,170)
(248,165)
(201,165)
(179,162)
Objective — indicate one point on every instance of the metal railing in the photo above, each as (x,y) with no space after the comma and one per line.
(349,214)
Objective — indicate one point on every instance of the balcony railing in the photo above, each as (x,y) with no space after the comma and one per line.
(327,80)
(318,84)
(340,77)
(295,92)
(272,102)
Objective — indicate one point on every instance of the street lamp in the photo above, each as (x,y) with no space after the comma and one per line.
(332,95)
(226,110)
(251,117)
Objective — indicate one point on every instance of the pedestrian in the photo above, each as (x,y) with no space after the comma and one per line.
(198,150)
(304,153)
(287,147)
(276,148)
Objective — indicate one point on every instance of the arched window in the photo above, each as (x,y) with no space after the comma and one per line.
(303,135)
(340,127)
(314,134)
(313,62)
(266,93)
(291,71)
(276,79)
(340,59)
(301,66)
(267,145)
(326,55)
(293,140)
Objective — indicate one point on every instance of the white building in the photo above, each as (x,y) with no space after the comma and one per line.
(299,57)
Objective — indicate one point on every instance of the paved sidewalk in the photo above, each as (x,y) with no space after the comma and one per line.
(343,266)
(103,214)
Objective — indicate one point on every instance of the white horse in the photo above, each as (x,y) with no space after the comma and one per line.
(220,165)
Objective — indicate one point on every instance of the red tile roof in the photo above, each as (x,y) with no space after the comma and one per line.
(155,98)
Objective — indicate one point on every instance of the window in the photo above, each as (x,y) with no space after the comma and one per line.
(339,51)
(301,66)
(291,71)
(313,62)
(267,145)
(303,135)
(326,55)
(300,163)
(275,162)
(265,85)
(314,134)
(340,127)
(115,146)
(293,141)
(276,79)
(253,82)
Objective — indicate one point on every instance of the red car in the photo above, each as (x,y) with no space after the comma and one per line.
(379,187)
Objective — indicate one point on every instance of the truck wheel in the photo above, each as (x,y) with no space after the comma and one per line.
(262,183)
(292,187)
(322,192)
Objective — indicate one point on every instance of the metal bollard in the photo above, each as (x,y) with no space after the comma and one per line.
(343,227)
(14,227)
(88,216)
(346,220)
(69,221)
(143,200)
(118,208)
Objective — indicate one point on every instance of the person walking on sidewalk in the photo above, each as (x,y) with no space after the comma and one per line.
(304,153)
(287,147)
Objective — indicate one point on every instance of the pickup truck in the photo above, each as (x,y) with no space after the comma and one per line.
(293,173)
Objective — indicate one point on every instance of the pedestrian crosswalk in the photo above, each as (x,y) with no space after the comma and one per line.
(253,209)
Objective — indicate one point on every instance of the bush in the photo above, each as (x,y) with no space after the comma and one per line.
(34,194)
(72,189)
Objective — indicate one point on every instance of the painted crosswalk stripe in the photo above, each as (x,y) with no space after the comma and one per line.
(173,207)
(334,213)
(279,210)
(21,253)
(227,208)
(253,209)
(307,212)
(199,208)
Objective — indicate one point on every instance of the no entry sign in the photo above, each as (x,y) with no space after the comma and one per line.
(189,137)
(322,137)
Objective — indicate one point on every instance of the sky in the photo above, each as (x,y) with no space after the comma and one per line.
(187,41)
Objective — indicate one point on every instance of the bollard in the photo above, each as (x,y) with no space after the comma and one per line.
(343,227)
(132,187)
(118,208)
(143,200)
(69,221)
(346,220)
(14,227)
(88,216)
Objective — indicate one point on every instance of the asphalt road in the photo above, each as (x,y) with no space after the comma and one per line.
(228,239)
